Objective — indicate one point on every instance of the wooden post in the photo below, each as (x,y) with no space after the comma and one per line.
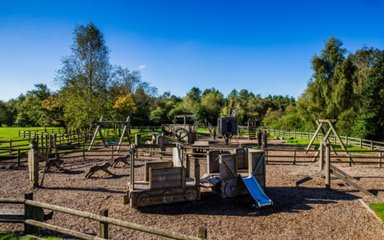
(10,146)
(28,211)
(83,152)
(294,157)
(321,158)
(112,152)
(18,157)
(132,183)
(202,233)
(350,159)
(380,157)
(103,227)
(327,166)
(137,139)
(33,166)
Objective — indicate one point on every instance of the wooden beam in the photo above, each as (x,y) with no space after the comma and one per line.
(123,132)
(95,133)
(320,125)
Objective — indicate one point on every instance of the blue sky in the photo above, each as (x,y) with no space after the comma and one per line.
(263,46)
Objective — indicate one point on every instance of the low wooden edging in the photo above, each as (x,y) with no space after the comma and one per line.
(30,205)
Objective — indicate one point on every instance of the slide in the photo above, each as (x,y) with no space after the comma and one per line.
(256,191)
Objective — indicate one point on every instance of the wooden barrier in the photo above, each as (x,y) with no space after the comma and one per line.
(31,221)
(295,156)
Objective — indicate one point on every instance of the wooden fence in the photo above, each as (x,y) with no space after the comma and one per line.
(358,142)
(31,221)
(295,156)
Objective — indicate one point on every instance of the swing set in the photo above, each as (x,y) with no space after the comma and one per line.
(101,124)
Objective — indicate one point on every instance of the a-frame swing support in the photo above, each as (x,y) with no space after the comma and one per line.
(100,123)
(331,129)
(326,169)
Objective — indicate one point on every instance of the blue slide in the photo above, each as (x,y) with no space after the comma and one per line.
(257,192)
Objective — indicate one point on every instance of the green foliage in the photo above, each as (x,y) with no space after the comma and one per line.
(378,208)
(85,77)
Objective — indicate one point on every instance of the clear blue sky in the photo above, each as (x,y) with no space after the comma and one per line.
(263,46)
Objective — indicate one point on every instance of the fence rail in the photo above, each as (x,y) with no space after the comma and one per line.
(351,157)
(30,219)
(347,140)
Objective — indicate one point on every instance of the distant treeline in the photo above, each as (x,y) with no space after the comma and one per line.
(345,86)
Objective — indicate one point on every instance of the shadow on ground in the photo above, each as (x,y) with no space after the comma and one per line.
(286,199)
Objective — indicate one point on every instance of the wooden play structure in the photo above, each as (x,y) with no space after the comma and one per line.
(227,128)
(229,173)
(183,132)
(227,170)
(164,181)
(326,127)
(125,125)
(328,170)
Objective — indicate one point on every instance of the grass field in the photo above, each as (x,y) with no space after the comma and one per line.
(305,142)
(379,209)
(7,133)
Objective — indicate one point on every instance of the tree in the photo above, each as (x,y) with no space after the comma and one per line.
(323,83)
(85,77)
(31,111)
(5,114)
(211,102)
(373,102)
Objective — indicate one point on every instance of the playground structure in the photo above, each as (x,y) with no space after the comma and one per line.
(231,171)
(238,172)
(324,162)
(124,132)
(227,128)
(182,132)
(230,174)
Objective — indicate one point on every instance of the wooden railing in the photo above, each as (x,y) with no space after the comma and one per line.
(347,140)
(31,221)
(294,156)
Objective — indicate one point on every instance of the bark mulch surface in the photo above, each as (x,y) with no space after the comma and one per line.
(305,212)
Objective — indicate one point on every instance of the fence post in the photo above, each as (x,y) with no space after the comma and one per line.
(202,233)
(83,152)
(294,157)
(33,167)
(103,227)
(361,143)
(28,211)
(10,146)
(18,157)
(380,157)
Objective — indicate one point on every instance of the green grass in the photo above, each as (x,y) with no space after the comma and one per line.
(13,236)
(305,142)
(378,208)
(7,133)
